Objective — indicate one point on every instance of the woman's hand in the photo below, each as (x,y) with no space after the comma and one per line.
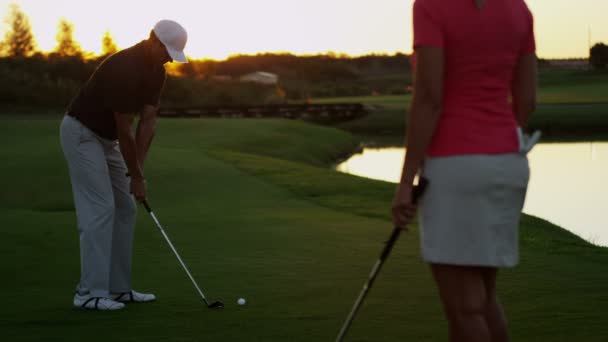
(403,209)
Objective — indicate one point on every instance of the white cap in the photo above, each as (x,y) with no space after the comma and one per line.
(174,37)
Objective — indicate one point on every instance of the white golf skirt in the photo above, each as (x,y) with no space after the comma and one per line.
(470,212)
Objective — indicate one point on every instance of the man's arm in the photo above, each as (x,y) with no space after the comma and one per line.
(145,132)
(129,153)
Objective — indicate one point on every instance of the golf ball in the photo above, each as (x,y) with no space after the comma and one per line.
(241,301)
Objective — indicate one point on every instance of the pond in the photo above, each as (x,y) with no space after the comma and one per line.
(568,183)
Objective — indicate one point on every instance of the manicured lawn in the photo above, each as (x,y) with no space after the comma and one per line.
(256,212)
(573,105)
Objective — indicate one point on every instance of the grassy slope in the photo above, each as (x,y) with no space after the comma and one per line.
(255,212)
(573,105)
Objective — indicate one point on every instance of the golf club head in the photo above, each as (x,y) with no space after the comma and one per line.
(216,305)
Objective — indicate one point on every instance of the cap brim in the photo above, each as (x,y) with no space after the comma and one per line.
(178,56)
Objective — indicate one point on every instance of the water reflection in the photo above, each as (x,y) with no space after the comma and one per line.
(568,183)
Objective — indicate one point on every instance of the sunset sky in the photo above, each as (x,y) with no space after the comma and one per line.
(219,28)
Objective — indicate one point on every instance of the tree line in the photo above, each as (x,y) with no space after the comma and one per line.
(29,77)
(32,78)
(19,41)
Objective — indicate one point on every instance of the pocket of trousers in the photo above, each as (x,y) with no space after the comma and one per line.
(85,135)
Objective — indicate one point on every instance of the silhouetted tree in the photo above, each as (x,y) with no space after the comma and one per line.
(598,56)
(66,44)
(108,46)
(19,39)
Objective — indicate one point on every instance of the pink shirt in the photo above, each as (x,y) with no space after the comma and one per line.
(481,48)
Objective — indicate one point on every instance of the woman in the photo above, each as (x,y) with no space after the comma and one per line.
(471,56)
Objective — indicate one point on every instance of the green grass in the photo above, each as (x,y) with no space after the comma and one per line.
(256,212)
(573,86)
(385,101)
(573,105)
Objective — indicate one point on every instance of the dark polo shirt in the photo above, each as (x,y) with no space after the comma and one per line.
(123,83)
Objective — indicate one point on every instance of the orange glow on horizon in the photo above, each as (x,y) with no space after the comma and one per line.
(221,28)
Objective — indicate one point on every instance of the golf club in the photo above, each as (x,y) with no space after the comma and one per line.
(417,192)
(527,142)
(214,305)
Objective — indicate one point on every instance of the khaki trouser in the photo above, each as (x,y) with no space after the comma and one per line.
(105,209)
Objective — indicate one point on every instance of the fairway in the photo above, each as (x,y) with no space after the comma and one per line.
(256,212)
(572,106)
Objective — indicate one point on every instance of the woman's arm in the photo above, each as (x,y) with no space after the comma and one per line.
(523,88)
(424,114)
(425,109)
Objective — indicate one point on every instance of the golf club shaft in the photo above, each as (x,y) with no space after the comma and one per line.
(370,281)
(417,192)
(158,225)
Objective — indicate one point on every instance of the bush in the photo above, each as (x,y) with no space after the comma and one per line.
(189,92)
(598,56)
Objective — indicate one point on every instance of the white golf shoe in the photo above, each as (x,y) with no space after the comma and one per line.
(96,303)
(133,297)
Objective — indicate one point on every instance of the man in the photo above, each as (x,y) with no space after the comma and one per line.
(101,150)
